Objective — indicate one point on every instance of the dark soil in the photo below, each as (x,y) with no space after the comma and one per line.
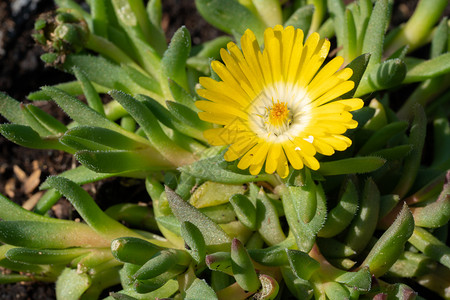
(21,72)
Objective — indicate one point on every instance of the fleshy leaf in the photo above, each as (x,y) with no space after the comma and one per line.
(390,245)
(214,236)
(352,165)
(429,69)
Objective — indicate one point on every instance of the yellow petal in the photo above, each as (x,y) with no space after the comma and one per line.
(326,85)
(209,106)
(327,71)
(248,158)
(255,169)
(305,146)
(311,162)
(228,78)
(293,155)
(219,136)
(272,158)
(297,57)
(322,147)
(288,36)
(336,143)
(337,91)
(216,118)
(314,63)
(352,104)
(282,166)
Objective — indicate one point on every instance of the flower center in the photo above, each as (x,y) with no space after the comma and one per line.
(278,114)
(277,118)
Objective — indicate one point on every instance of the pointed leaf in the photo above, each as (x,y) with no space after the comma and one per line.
(391,244)
(25,136)
(230,16)
(173,63)
(71,285)
(212,233)
(301,18)
(38,234)
(214,169)
(199,289)
(385,75)
(88,209)
(361,280)
(352,165)
(374,35)
(437,66)
(10,109)
(358,65)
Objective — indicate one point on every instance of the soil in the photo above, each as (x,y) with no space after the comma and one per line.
(21,72)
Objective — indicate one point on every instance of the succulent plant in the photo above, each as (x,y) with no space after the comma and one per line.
(268,178)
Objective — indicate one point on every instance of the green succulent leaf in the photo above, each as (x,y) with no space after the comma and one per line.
(194,241)
(268,220)
(300,288)
(230,16)
(391,244)
(242,266)
(71,285)
(352,165)
(394,153)
(25,136)
(153,284)
(336,9)
(51,125)
(342,214)
(98,138)
(384,75)
(10,109)
(187,116)
(245,210)
(364,224)
(42,234)
(214,236)
(78,111)
(382,136)
(412,161)
(80,175)
(305,233)
(274,255)
(199,289)
(437,213)
(411,264)
(173,63)
(88,209)
(301,18)
(215,169)
(92,97)
(434,67)
(302,264)
(133,250)
(374,35)
(180,95)
(103,72)
(45,256)
(334,249)
(71,87)
(162,262)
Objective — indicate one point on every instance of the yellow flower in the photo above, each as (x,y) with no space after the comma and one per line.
(276,107)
